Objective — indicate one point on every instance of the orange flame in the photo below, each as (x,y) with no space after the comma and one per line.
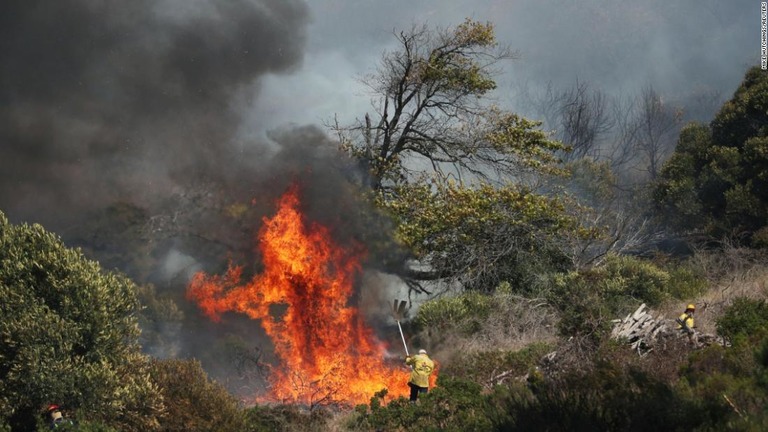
(327,354)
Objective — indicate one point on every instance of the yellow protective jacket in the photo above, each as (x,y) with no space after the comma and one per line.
(685,322)
(422,369)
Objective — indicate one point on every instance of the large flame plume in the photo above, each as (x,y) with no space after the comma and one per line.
(327,354)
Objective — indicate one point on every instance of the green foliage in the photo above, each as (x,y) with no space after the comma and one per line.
(432,114)
(158,317)
(452,70)
(78,427)
(744,115)
(685,281)
(744,318)
(483,235)
(640,279)
(606,398)
(431,92)
(69,335)
(287,418)
(464,312)
(455,405)
(194,402)
(730,384)
(717,179)
(586,306)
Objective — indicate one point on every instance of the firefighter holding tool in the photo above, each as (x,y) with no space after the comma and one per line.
(422,367)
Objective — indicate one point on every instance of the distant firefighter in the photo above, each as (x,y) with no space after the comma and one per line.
(685,323)
(56,418)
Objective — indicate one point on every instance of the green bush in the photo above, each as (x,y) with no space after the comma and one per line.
(685,282)
(730,383)
(286,418)
(587,303)
(78,427)
(194,402)
(454,405)
(744,318)
(608,397)
(69,336)
(464,312)
(640,279)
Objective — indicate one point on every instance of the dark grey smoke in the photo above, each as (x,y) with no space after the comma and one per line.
(105,100)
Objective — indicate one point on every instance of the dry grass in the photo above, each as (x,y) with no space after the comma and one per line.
(515,323)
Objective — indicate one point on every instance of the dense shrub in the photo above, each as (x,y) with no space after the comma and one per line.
(685,282)
(194,402)
(78,427)
(745,317)
(455,405)
(69,336)
(587,303)
(730,383)
(464,312)
(715,180)
(636,278)
(285,418)
(607,397)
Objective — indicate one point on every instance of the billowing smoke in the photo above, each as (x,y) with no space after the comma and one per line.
(100,100)
(121,129)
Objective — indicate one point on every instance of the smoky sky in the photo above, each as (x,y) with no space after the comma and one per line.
(682,48)
(106,99)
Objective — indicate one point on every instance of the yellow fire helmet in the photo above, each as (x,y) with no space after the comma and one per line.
(691,307)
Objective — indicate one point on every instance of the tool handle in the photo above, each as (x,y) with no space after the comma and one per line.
(403,337)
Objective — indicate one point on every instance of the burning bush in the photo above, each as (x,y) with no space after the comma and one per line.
(327,355)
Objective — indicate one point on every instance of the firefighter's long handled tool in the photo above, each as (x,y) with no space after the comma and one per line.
(398,311)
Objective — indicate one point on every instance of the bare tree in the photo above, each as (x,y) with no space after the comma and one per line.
(584,120)
(621,152)
(656,125)
(431,111)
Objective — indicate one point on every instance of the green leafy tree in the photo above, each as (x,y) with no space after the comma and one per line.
(442,160)
(69,336)
(716,182)
(482,235)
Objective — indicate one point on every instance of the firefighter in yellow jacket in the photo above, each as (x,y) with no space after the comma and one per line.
(685,323)
(421,368)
